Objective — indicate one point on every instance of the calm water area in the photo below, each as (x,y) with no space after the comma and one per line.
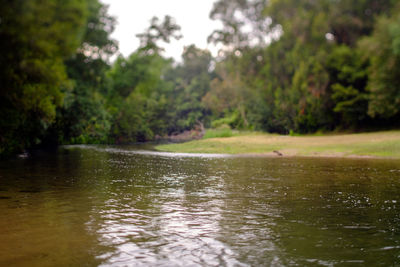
(120,206)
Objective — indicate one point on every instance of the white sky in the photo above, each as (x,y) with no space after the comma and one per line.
(133,17)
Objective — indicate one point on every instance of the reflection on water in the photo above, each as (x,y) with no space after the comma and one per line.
(122,206)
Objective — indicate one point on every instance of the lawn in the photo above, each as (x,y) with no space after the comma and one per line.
(376,144)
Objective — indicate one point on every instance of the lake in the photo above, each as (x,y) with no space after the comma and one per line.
(126,206)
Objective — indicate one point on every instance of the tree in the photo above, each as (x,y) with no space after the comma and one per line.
(137,98)
(348,78)
(156,32)
(36,37)
(351,19)
(383,47)
(243,23)
(190,81)
(83,118)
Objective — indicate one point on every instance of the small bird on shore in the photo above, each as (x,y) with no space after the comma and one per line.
(278,153)
(23,155)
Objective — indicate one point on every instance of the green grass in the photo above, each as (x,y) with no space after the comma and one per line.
(377,144)
(214,133)
(224,132)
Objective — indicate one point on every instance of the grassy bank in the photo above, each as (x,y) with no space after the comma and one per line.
(377,144)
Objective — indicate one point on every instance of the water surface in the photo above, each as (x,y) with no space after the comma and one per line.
(118,206)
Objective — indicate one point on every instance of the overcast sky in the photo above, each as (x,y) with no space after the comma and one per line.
(134,16)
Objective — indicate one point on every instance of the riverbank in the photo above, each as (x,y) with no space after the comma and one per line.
(375,144)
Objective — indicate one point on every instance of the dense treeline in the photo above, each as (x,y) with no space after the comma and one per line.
(287,66)
(334,64)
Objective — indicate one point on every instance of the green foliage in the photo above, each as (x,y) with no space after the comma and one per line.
(83,118)
(218,133)
(242,21)
(138,97)
(232,121)
(348,74)
(36,37)
(287,66)
(189,82)
(131,124)
(162,31)
(352,19)
(97,43)
(384,72)
(306,79)
(138,72)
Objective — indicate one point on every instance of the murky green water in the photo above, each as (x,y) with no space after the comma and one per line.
(88,206)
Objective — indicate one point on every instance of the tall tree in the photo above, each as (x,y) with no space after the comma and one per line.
(191,81)
(83,117)
(158,31)
(36,38)
(383,47)
(348,80)
(351,19)
(138,87)
(243,23)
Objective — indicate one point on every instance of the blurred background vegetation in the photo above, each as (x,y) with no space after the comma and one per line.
(288,66)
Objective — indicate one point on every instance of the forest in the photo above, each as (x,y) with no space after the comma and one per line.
(287,66)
